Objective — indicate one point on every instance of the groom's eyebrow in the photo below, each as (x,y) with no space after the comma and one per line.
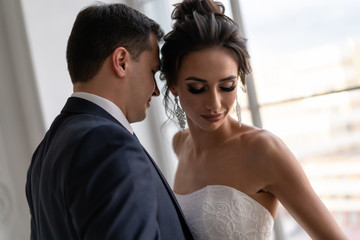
(205,81)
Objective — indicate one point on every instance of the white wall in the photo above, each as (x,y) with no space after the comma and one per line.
(21,123)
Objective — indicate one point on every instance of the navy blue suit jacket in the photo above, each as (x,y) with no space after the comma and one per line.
(90,178)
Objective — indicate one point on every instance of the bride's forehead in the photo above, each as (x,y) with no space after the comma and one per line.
(208,52)
(209,58)
(209,62)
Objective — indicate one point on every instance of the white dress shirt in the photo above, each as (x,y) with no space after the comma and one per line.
(107,105)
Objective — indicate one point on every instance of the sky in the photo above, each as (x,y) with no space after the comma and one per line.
(276,27)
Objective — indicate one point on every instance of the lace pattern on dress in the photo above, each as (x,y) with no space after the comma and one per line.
(218,212)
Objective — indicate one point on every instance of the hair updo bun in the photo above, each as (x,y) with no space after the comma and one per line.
(187,8)
(199,12)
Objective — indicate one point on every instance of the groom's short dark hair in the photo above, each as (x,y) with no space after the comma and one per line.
(101,28)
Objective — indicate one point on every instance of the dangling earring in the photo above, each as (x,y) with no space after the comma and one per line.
(179,113)
(238,110)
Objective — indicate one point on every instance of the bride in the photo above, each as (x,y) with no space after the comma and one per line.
(230,176)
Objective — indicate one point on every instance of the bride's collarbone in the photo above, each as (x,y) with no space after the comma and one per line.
(221,171)
(211,152)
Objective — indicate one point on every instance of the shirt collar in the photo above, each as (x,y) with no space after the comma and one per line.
(108,106)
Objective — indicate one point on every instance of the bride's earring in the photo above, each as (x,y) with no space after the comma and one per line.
(180,114)
(238,110)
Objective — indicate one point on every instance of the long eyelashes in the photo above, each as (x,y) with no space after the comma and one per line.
(201,90)
(194,90)
(228,89)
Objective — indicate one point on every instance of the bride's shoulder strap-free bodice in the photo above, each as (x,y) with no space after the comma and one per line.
(222,212)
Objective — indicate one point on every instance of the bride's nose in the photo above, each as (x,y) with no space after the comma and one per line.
(213,102)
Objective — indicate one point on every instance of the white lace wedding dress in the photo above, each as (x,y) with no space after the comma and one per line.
(219,212)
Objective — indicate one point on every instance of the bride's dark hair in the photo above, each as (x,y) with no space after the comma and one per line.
(199,24)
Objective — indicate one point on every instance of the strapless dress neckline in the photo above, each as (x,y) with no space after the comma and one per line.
(223,212)
(224,186)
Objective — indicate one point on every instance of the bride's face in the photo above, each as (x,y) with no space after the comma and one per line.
(206,86)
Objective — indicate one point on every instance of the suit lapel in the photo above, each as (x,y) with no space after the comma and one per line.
(171,194)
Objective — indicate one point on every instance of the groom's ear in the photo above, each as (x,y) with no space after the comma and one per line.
(119,59)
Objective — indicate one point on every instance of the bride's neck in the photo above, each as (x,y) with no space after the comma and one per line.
(203,140)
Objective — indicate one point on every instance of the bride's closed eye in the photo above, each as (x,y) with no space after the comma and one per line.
(228,87)
(199,88)
(195,88)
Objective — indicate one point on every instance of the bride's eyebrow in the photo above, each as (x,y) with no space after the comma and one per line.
(205,81)
(227,78)
(196,79)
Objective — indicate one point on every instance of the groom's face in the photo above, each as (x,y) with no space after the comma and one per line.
(142,82)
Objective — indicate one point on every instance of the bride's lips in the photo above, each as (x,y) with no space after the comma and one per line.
(212,117)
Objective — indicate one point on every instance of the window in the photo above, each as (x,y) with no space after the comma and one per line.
(306,68)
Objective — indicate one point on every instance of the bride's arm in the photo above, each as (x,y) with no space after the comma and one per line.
(288,182)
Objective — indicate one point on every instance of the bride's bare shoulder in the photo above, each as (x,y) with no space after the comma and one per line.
(259,141)
(251,135)
(179,139)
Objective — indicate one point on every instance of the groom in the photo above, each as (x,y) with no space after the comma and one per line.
(90,178)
